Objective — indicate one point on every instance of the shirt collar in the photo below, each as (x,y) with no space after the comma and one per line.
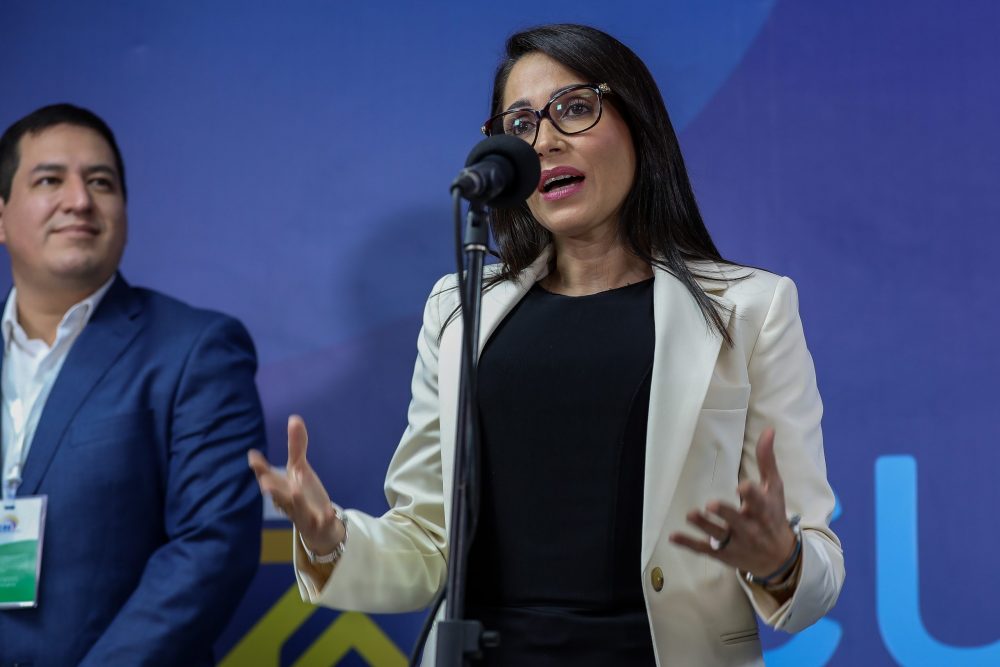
(75,318)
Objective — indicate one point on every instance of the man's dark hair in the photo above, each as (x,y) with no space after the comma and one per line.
(42,119)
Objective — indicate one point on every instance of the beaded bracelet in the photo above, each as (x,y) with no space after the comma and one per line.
(782,572)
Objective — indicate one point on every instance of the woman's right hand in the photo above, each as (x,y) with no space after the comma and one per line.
(299,493)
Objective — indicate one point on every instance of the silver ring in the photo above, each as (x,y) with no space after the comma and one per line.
(719,545)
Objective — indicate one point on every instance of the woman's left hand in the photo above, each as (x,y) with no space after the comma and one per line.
(755,538)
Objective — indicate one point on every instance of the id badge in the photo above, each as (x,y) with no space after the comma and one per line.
(21,531)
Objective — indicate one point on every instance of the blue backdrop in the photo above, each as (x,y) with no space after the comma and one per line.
(290,166)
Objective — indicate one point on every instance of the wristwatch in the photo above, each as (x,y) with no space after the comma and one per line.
(338,550)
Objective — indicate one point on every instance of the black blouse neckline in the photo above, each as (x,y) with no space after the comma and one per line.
(538,286)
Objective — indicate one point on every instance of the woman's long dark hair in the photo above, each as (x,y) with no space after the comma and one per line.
(660,221)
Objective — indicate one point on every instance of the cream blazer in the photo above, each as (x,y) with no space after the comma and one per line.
(709,403)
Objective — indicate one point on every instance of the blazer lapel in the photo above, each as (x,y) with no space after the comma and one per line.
(684,358)
(109,331)
(496,303)
(500,300)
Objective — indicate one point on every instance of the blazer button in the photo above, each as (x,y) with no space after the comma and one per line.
(656,577)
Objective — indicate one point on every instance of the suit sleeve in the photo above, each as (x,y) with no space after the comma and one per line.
(784,395)
(397,562)
(212,512)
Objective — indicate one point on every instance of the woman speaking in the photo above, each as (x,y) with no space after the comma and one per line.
(652,459)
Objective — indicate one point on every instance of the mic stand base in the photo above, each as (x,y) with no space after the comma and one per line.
(461,640)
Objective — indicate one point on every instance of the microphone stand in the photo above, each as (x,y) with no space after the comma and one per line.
(460,640)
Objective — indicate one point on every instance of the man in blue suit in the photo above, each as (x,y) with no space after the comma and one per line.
(131,411)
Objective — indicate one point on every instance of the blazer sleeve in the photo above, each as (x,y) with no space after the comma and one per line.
(212,511)
(784,395)
(397,562)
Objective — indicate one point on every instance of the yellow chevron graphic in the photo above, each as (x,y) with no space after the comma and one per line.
(261,646)
(275,546)
(352,630)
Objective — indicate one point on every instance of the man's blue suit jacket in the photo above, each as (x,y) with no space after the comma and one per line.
(153,528)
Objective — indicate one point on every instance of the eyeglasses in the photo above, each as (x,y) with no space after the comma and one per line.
(571,110)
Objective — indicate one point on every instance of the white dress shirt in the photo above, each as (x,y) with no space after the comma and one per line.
(30,368)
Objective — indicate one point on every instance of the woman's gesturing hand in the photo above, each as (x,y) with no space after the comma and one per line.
(299,493)
(755,538)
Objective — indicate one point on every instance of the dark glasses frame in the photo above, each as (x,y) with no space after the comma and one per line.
(601,89)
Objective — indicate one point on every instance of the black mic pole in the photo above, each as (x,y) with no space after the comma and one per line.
(460,639)
(503,171)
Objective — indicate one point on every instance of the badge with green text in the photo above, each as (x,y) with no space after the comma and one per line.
(21,531)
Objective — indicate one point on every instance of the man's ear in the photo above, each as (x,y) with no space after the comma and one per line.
(3,230)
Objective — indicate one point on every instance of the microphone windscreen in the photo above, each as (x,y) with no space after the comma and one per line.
(524,161)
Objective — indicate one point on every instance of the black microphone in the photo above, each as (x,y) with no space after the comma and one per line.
(501,171)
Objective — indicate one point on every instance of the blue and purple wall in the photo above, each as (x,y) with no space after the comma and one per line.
(289,164)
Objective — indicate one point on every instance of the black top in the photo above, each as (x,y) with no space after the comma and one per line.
(564,396)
